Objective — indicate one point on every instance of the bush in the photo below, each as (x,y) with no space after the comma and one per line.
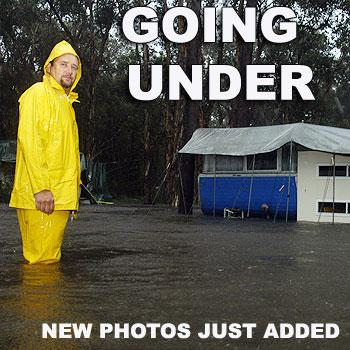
(6,181)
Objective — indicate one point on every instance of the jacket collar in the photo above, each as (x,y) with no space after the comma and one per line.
(48,79)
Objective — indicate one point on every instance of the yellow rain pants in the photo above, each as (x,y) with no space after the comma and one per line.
(42,234)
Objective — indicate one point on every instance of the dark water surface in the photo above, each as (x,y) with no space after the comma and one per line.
(149,265)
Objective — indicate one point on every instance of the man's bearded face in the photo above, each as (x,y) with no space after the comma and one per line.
(64,70)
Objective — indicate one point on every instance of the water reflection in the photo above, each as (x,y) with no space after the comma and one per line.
(40,297)
(40,300)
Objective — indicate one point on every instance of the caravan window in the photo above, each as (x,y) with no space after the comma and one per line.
(229,163)
(285,157)
(327,170)
(263,161)
(327,207)
(222,163)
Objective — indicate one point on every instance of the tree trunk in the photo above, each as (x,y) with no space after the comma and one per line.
(240,116)
(147,195)
(174,123)
(191,116)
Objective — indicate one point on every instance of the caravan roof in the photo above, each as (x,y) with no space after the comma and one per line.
(262,139)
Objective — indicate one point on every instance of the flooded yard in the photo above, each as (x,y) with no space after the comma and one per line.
(147,265)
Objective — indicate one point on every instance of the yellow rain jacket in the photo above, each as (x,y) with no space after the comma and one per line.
(47,145)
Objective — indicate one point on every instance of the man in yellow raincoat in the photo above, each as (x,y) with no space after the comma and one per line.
(47,178)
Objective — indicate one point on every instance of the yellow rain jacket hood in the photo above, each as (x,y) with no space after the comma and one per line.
(60,49)
(47,145)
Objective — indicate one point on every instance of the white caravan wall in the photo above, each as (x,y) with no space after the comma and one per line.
(312,188)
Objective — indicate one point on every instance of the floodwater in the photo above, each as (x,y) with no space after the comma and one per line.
(129,265)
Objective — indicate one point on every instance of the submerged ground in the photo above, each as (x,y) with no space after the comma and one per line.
(147,264)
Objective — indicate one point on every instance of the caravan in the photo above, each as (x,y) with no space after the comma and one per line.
(293,171)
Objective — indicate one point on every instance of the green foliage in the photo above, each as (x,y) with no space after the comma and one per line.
(111,122)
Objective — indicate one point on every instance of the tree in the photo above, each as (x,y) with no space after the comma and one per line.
(140,140)
(192,114)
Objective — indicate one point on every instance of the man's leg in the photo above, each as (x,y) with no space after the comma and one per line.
(42,234)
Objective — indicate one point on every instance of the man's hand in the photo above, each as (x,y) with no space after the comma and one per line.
(44,201)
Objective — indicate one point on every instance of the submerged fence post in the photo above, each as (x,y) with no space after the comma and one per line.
(289,175)
(214,191)
(333,189)
(251,187)
(182,186)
